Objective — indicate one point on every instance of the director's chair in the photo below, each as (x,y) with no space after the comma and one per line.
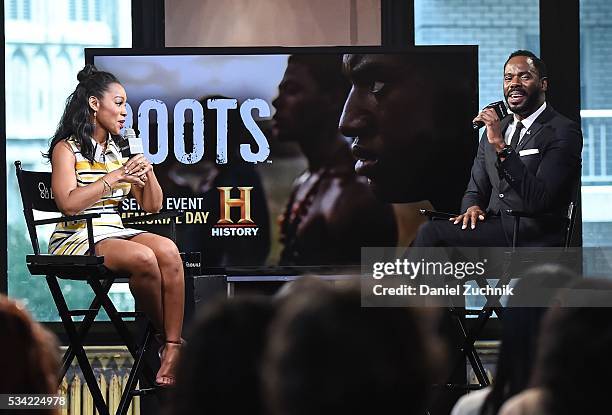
(35,189)
(493,304)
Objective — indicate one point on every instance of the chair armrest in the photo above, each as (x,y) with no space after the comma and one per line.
(66,219)
(75,260)
(436,215)
(69,267)
(154,216)
(521,214)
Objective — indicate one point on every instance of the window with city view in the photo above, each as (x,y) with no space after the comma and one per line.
(478,22)
(596,113)
(44,43)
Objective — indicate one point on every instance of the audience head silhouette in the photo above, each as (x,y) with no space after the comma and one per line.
(220,367)
(328,355)
(30,356)
(572,365)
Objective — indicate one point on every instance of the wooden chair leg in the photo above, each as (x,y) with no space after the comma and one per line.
(120,326)
(128,392)
(492,304)
(469,349)
(470,336)
(85,325)
(76,344)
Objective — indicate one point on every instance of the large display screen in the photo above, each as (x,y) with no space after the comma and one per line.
(300,156)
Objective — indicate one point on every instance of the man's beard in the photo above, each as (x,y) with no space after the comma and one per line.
(528,106)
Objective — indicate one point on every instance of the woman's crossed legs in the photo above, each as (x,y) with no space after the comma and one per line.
(157,283)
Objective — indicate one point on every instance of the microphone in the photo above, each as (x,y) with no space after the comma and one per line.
(130,144)
(500,110)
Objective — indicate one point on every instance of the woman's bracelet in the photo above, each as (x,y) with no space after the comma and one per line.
(107,187)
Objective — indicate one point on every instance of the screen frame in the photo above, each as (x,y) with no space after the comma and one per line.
(281,271)
(90,53)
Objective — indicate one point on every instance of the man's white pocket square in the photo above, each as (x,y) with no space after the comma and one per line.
(528,152)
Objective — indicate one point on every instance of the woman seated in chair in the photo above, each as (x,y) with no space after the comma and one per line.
(89,175)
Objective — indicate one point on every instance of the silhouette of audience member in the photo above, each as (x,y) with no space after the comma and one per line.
(201,180)
(328,355)
(520,331)
(219,372)
(331,213)
(572,371)
(29,353)
(306,285)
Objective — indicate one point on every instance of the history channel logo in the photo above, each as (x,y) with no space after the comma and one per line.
(225,225)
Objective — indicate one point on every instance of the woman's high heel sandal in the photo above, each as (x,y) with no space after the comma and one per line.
(171,379)
(160,339)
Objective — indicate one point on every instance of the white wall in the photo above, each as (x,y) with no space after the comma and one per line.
(272,22)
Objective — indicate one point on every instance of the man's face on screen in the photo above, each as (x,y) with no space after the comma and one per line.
(389,113)
(300,105)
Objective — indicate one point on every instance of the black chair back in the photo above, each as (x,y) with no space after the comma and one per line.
(571,220)
(36,194)
(572,211)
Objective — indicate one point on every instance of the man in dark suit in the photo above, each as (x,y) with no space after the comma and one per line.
(529,161)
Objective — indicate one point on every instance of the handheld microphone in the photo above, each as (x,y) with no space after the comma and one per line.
(130,144)
(500,110)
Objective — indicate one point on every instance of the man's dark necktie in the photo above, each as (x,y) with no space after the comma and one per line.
(516,136)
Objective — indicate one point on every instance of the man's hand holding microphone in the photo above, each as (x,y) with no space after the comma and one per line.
(490,117)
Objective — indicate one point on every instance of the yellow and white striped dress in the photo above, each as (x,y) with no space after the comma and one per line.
(70,238)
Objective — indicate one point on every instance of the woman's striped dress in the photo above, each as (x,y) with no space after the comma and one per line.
(70,238)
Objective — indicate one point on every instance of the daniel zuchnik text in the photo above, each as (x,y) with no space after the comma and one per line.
(423,289)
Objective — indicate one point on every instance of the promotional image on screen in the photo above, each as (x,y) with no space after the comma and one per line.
(299,156)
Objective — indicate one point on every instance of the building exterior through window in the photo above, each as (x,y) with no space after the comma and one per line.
(44,42)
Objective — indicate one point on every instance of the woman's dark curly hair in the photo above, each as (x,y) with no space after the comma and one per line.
(77,117)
